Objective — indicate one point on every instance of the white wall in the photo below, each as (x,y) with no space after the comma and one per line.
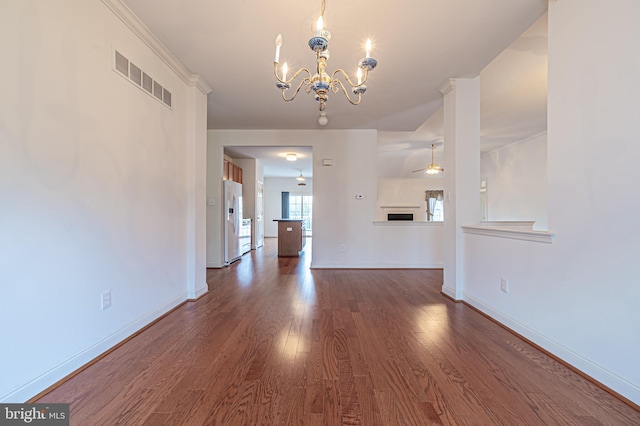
(405,192)
(273,188)
(95,190)
(517,181)
(578,297)
(338,217)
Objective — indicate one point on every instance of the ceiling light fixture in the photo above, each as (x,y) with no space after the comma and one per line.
(292,157)
(433,168)
(300,178)
(321,82)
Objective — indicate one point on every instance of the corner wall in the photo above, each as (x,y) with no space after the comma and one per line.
(577,297)
(98,190)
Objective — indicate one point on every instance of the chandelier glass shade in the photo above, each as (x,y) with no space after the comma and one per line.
(321,82)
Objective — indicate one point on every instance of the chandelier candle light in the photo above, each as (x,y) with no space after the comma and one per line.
(321,82)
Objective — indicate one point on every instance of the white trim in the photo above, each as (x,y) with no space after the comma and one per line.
(523,225)
(147,37)
(588,367)
(448,86)
(510,233)
(199,82)
(450,292)
(198,293)
(59,372)
(377,266)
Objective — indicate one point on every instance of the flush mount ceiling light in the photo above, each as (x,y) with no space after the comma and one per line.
(321,82)
(292,157)
(432,168)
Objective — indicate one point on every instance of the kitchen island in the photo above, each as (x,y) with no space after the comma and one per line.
(290,239)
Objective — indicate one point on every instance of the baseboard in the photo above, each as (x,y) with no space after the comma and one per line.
(607,380)
(315,265)
(198,293)
(82,358)
(450,293)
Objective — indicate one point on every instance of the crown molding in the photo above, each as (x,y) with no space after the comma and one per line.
(148,38)
(448,86)
(200,83)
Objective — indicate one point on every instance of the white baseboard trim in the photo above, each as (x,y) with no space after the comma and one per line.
(450,292)
(198,293)
(375,266)
(607,378)
(59,372)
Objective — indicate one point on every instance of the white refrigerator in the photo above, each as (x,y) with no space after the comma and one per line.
(232,220)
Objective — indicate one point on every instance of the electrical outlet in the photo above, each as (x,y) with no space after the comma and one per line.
(504,284)
(105,299)
(343,247)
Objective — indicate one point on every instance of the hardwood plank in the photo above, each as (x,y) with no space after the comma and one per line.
(275,343)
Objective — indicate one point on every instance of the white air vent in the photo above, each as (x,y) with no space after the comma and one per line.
(135,74)
(157,90)
(141,79)
(122,64)
(166,97)
(147,82)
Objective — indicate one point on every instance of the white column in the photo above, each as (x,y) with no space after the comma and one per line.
(196,189)
(462,174)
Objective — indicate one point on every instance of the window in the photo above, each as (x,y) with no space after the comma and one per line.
(435,205)
(300,207)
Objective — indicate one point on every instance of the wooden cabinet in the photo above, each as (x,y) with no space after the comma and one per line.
(290,240)
(231,172)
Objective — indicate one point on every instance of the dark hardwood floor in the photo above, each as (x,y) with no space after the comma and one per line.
(275,343)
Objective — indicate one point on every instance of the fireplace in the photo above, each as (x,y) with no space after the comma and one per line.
(399,216)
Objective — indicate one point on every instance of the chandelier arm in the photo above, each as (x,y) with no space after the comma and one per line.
(346,76)
(344,90)
(305,82)
(293,77)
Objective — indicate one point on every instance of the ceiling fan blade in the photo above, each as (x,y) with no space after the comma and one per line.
(419,170)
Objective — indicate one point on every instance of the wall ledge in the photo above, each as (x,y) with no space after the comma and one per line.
(510,233)
(406,223)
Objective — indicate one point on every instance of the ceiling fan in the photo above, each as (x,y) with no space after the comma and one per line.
(432,168)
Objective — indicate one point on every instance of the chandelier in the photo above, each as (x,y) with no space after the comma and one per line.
(321,82)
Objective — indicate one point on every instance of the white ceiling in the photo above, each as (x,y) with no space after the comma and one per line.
(419,44)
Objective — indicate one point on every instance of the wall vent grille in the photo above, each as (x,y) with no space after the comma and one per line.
(133,73)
